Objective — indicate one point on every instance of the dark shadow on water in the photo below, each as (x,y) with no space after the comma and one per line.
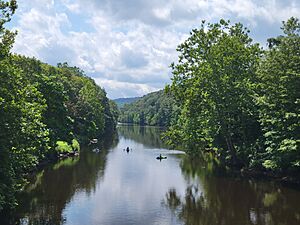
(222,200)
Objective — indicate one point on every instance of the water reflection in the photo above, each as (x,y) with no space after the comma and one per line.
(150,137)
(132,189)
(46,197)
(116,187)
(227,200)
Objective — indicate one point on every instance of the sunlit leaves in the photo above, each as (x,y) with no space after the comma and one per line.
(278,98)
(237,98)
(212,83)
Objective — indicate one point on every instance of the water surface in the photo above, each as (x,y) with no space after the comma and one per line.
(116,187)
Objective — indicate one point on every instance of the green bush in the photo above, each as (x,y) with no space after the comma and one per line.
(75,145)
(63,147)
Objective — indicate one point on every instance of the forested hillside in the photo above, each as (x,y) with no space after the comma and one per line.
(238,100)
(156,109)
(122,101)
(44,111)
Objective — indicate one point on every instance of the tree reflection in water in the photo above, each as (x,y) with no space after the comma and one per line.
(148,136)
(45,199)
(214,199)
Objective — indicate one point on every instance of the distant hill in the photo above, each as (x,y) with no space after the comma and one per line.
(122,101)
(155,109)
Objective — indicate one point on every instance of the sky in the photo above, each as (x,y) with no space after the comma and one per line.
(127,46)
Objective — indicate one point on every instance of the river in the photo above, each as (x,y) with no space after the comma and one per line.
(116,187)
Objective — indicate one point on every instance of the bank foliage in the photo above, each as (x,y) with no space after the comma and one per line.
(44,110)
(238,100)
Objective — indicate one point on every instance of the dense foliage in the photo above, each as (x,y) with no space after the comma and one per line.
(44,110)
(238,100)
(156,109)
(278,99)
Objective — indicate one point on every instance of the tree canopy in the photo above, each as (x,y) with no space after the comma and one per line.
(238,100)
(155,109)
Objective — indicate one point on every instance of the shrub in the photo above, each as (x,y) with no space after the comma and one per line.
(63,147)
(75,145)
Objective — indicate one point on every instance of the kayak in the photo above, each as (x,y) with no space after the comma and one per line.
(161,157)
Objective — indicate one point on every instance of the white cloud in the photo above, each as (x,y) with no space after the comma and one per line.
(38,31)
(131,43)
(123,89)
(72,6)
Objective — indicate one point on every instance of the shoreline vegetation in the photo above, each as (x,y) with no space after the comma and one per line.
(46,112)
(234,99)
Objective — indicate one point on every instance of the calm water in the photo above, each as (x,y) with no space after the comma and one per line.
(116,187)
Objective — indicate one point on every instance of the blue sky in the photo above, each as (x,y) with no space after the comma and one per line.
(128,45)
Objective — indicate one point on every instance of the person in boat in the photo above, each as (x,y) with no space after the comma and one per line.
(160,157)
(94,141)
(127,149)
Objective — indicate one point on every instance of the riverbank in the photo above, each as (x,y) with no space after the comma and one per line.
(283,178)
(291,178)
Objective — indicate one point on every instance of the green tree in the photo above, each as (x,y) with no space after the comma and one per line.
(87,104)
(7,9)
(23,135)
(212,82)
(155,109)
(50,83)
(279,98)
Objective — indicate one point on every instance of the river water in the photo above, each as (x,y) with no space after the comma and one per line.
(116,187)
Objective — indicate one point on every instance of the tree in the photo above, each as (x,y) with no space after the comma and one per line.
(23,135)
(156,109)
(279,99)
(7,9)
(50,84)
(87,104)
(212,83)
